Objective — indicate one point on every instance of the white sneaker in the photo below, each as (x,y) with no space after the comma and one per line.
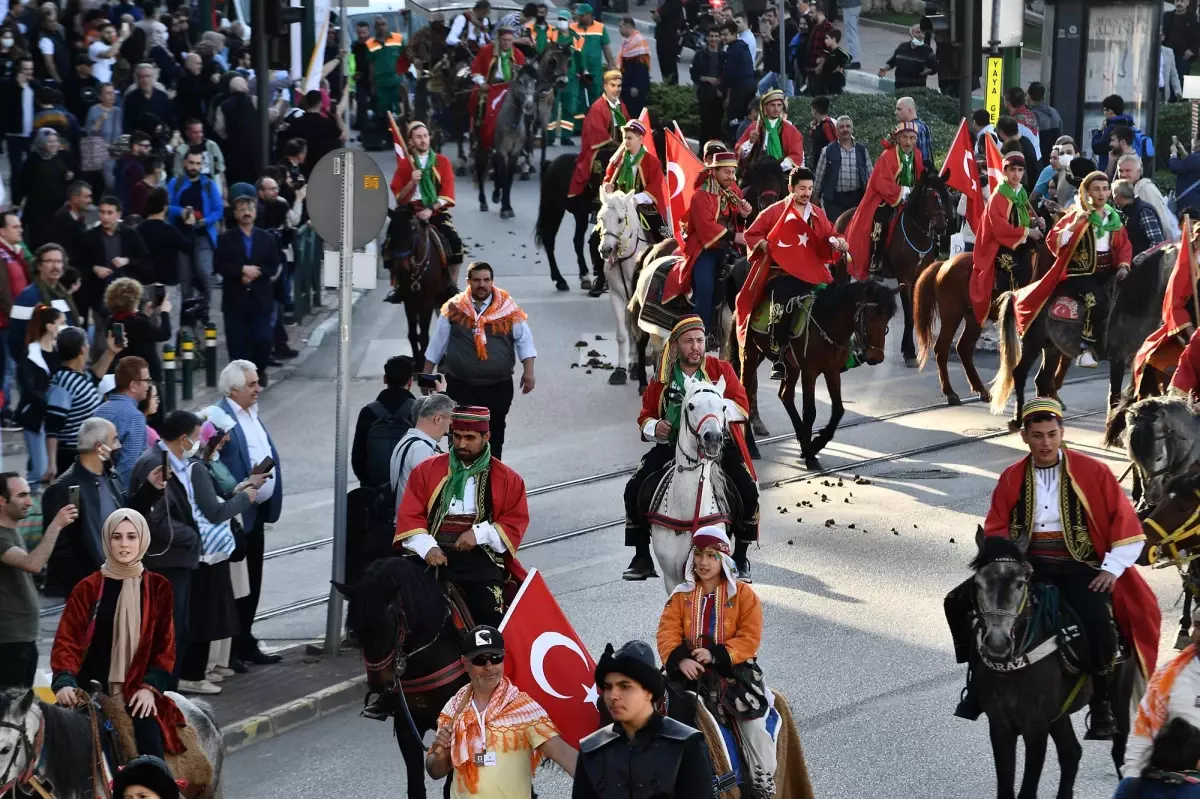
(224,671)
(1087,360)
(202,687)
(213,677)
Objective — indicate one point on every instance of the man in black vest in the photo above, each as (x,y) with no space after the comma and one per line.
(842,172)
(640,748)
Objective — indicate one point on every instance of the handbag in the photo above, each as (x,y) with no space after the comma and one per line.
(216,540)
(93,152)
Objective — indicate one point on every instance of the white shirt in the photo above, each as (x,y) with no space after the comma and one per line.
(473,34)
(102,69)
(257,445)
(440,337)
(46,45)
(747,36)
(27,109)
(422,448)
(419,164)
(485,533)
(1103,243)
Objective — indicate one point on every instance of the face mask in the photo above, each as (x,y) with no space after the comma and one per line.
(191,451)
(8,42)
(918,42)
(1065,161)
(563,24)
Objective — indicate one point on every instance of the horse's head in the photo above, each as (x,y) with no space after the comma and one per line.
(552,67)
(765,183)
(1161,442)
(1175,519)
(19,722)
(706,418)
(873,311)
(616,218)
(525,89)
(1001,592)
(933,201)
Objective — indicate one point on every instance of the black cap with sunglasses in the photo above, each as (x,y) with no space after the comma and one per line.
(484,644)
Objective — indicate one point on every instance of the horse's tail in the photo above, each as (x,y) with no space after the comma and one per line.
(1010,353)
(556,183)
(1116,424)
(925,310)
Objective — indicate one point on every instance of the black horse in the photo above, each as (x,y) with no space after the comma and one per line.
(410,646)
(556,184)
(764,184)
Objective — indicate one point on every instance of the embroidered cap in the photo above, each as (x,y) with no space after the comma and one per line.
(612,74)
(1042,405)
(468,418)
(483,640)
(1014,159)
(775,95)
(905,127)
(685,323)
(712,536)
(635,126)
(720,158)
(408,130)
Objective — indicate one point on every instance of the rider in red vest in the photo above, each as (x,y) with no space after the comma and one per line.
(602,127)
(895,174)
(772,135)
(636,170)
(658,421)
(494,66)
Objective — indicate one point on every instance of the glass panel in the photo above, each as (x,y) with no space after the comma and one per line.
(1119,47)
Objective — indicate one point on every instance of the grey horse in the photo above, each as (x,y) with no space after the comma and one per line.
(517,114)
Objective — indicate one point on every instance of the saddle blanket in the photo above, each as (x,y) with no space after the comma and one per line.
(654,313)
(495,97)
(767,310)
(1066,309)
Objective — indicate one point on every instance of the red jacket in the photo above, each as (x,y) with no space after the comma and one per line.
(1111,522)
(486,60)
(599,131)
(443,178)
(995,231)
(1187,374)
(789,136)
(15,279)
(709,219)
(882,187)
(648,178)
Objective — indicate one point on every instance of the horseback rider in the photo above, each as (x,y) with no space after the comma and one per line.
(465,513)
(659,420)
(788,270)
(895,174)
(711,231)
(471,29)
(423,186)
(708,639)
(1170,695)
(1186,380)
(494,65)
(772,135)
(386,51)
(1083,535)
(637,171)
(1009,224)
(1091,248)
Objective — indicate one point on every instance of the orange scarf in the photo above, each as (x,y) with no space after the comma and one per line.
(499,317)
(1152,710)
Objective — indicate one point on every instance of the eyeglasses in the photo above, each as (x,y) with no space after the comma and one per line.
(487,659)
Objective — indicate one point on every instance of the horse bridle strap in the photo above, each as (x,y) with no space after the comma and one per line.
(34,749)
(1170,539)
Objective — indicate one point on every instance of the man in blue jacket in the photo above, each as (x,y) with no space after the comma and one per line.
(737,76)
(1113,107)
(195,203)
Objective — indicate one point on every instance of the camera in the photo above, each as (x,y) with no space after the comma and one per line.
(193,311)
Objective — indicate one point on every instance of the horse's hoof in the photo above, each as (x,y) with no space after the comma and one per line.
(952,399)
(561,285)
(760,429)
(755,455)
(506,213)
(483,206)
(1014,425)
(910,361)
(641,389)
(811,463)
(984,395)
(619,377)
(496,196)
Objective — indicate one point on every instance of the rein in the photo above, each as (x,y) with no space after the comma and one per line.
(1189,527)
(33,748)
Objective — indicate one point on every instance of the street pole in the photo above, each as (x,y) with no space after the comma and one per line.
(994,41)
(333,618)
(345,47)
(966,61)
(783,47)
(263,71)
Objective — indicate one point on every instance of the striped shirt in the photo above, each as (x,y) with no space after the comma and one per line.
(122,411)
(73,398)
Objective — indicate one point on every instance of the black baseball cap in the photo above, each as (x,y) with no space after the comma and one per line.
(483,640)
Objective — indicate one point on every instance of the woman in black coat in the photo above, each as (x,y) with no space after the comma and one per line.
(238,125)
(146,327)
(42,186)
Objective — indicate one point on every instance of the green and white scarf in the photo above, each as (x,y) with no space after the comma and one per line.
(1106,220)
(1020,201)
(627,173)
(459,474)
(773,146)
(907,176)
(427,186)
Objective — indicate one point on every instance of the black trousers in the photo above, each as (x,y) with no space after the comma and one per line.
(18,664)
(147,735)
(668,56)
(496,397)
(637,529)
(840,202)
(1094,609)
(181,590)
(248,336)
(739,103)
(712,115)
(247,606)
(401,234)
(484,600)
(1099,285)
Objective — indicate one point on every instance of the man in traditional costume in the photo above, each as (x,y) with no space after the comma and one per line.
(772,135)
(1175,332)
(1186,380)
(1091,248)
(635,170)
(895,174)
(465,514)
(711,231)
(790,245)
(494,66)
(1008,225)
(1083,536)
(659,420)
(604,126)
(1170,694)
(708,639)
(423,186)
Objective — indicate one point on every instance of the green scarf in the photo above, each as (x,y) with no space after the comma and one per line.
(675,393)
(618,118)
(1103,223)
(907,176)
(459,474)
(426,186)
(539,37)
(1020,201)
(506,64)
(50,293)
(774,143)
(627,174)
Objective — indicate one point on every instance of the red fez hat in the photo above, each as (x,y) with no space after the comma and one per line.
(471,418)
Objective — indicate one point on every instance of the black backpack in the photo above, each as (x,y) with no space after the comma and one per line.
(382,439)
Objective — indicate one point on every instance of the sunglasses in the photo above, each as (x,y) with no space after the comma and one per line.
(487,659)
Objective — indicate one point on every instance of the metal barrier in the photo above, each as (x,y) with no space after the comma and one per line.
(169,364)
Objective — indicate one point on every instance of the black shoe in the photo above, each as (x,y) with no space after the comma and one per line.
(238,666)
(393,297)
(777,371)
(640,568)
(1100,723)
(286,352)
(743,570)
(599,286)
(968,706)
(257,657)
(379,710)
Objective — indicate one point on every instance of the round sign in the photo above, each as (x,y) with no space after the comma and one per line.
(324,198)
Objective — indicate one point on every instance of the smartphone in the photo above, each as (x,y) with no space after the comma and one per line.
(118,331)
(267,464)
(73,496)
(158,293)
(428,380)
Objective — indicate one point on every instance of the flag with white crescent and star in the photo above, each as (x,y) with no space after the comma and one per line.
(683,167)
(545,658)
(962,175)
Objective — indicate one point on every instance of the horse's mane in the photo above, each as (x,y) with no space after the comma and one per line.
(389,578)
(931,179)
(996,548)
(1140,289)
(835,297)
(67,742)
(1188,481)
(1140,419)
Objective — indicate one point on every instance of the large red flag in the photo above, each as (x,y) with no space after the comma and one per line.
(546,660)
(995,164)
(1174,307)
(683,168)
(961,174)
(648,139)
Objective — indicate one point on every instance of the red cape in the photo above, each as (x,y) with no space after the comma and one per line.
(510,506)
(713,369)
(789,136)
(705,226)
(1187,374)
(443,178)
(1174,315)
(763,251)
(1031,298)
(649,176)
(597,133)
(485,64)
(881,188)
(995,231)
(1111,522)
(155,656)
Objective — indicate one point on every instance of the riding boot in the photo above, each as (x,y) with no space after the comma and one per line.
(781,329)
(1101,726)
(968,704)
(642,565)
(741,559)
(380,709)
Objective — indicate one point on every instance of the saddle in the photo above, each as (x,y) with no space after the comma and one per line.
(120,746)
(1085,305)
(654,311)
(654,492)
(769,312)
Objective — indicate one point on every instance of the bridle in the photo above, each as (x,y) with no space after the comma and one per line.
(701,457)
(626,241)
(928,231)
(1170,540)
(33,749)
(997,612)
(398,656)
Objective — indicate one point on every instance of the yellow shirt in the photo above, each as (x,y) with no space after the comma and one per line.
(510,777)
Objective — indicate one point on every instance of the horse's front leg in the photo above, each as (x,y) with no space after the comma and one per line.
(966,356)
(481,170)
(1004,753)
(1035,759)
(505,182)
(1116,377)
(414,758)
(1020,375)
(801,425)
(907,348)
(619,376)
(413,317)
(581,233)
(751,358)
(426,318)
(1069,755)
(833,382)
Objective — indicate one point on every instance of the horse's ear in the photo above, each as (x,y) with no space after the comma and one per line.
(343,589)
(979,536)
(26,702)
(721,385)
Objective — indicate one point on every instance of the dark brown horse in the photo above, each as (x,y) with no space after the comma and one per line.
(443,90)
(845,318)
(943,293)
(422,280)
(910,246)
(554,202)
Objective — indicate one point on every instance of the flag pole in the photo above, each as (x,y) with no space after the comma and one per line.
(397,137)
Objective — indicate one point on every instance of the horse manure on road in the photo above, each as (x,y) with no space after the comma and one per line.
(580,344)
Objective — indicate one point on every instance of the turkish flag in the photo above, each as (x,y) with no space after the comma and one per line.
(798,249)
(961,174)
(1180,292)
(683,169)
(546,659)
(995,164)
(648,139)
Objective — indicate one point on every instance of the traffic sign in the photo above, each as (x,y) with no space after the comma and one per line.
(325,198)
(995,87)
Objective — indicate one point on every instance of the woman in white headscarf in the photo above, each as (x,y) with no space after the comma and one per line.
(117,629)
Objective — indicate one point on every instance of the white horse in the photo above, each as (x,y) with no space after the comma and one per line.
(696,487)
(622,240)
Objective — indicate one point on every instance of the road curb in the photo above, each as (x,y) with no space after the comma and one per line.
(291,715)
(320,331)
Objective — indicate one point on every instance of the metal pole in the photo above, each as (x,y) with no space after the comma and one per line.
(263,71)
(994,42)
(966,61)
(783,48)
(333,621)
(345,42)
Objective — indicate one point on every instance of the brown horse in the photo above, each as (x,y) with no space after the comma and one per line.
(943,292)
(421,278)
(910,246)
(845,319)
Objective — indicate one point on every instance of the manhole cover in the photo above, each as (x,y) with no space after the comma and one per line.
(919,474)
(981,431)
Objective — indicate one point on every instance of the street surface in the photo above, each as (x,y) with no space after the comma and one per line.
(854,633)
